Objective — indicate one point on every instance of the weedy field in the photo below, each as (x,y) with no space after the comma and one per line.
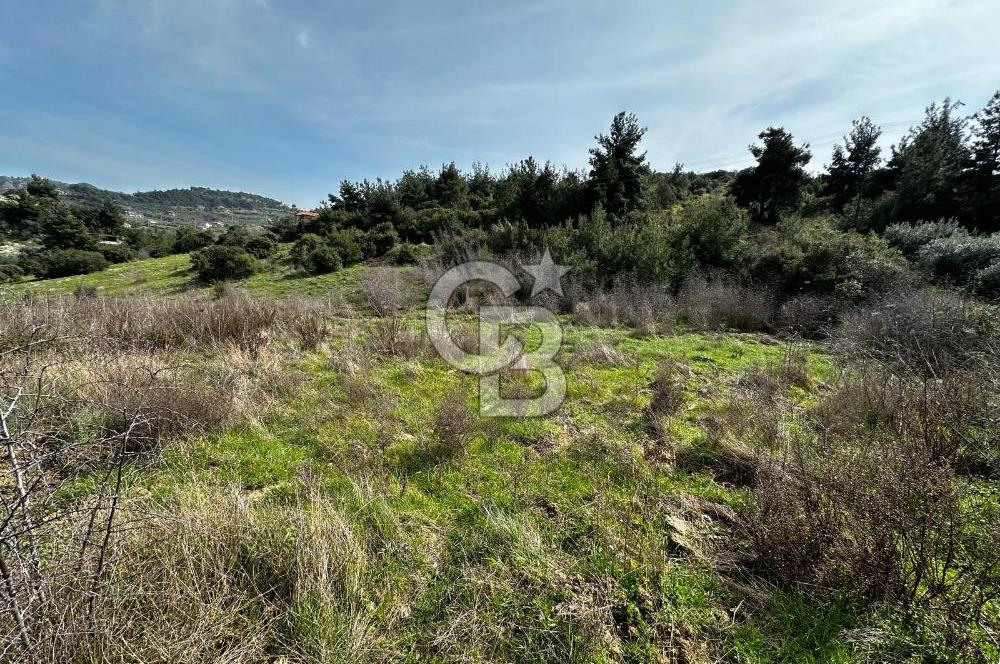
(289,472)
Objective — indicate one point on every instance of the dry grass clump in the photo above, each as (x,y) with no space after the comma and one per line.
(717,303)
(212,576)
(770,380)
(600,354)
(501,571)
(151,323)
(667,393)
(351,357)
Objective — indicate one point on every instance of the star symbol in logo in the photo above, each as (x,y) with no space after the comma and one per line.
(546,274)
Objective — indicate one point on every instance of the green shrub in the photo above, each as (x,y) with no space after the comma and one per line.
(53,263)
(222,263)
(117,253)
(305,245)
(322,259)
(380,240)
(404,254)
(960,257)
(189,239)
(987,281)
(710,233)
(10,272)
(348,244)
(910,238)
(813,256)
(260,246)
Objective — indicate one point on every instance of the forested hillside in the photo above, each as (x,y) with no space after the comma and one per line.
(191,206)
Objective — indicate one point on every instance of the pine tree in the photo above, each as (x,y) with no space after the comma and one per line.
(775,183)
(62,230)
(928,165)
(351,198)
(982,191)
(451,188)
(851,166)
(617,169)
(109,218)
(41,188)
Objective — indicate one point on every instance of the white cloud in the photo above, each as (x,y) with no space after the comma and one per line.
(303,38)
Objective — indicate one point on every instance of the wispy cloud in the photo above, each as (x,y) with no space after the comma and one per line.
(311,92)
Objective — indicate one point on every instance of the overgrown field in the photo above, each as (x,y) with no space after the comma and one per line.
(293,474)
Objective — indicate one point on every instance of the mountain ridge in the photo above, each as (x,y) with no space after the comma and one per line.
(180,206)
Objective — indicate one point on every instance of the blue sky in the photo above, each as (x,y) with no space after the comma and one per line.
(288,97)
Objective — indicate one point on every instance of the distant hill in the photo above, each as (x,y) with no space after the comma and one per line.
(173,207)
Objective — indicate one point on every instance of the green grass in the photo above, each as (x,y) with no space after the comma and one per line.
(541,531)
(171,275)
(549,510)
(159,276)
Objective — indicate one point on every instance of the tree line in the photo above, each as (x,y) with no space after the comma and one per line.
(620,216)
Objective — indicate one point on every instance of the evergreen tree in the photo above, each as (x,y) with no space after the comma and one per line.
(672,187)
(982,190)
(41,188)
(617,169)
(351,198)
(482,187)
(109,218)
(775,183)
(62,230)
(851,167)
(416,188)
(928,165)
(451,189)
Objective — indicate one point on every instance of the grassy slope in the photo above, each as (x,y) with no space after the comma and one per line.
(171,275)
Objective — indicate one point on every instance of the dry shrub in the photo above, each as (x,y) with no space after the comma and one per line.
(392,337)
(165,403)
(870,503)
(648,309)
(452,426)
(385,290)
(717,303)
(956,417)
(159,397)
(810,316)
(882,522)
(923,332)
